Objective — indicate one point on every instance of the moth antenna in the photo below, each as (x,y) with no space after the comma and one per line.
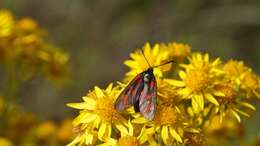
(145,58)
(171,61)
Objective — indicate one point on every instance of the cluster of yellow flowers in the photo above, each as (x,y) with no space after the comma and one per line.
(26,129)
(24,54)
(23,48)
(200,101)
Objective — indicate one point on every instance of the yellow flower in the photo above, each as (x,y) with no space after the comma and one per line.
(197,80)
(26,25)
(228,127)
(251,84)
(128,138)
(64,133)
(98,114)
(243,77)
(46,129)
(5,142)
(169,123)
(56,64)
(155,56)
(177,51)
(166,93)
(6,23)
(234,71)
(231,102)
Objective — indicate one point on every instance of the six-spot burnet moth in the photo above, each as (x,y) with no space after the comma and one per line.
(141,93)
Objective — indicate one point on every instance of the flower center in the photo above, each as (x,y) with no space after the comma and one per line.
(166,115)
(227,90)
(106,110)
(195,139)
(197,80)
(128,141)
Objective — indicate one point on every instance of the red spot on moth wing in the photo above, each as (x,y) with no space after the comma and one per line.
(152,84)
(124,99)
(148,107)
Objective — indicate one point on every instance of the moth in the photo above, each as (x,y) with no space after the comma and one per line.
(141,93)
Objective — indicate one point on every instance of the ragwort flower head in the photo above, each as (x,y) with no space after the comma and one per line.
(231,102)
(5,142)
(197,80)
(155,56)
(243,77)
(177,51)
(234,71)
(169,124)
(98,115)
(26,25)
(128,138)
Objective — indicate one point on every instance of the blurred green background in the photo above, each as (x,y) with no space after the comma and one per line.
(99,35)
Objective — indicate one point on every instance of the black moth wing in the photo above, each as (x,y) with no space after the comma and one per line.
(147,99)
(130,95)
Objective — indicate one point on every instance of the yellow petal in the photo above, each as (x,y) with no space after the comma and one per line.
(135,56)
(152,142)
(175,135)
(199,57)
(142,136)
(122,129)
(104,144)
(131,64)
(89,100)
(74,142)
(149,131)
(165,134)
(147,48)
(99,92)
(182,74)
(89,119)
(236,115)
(195,105)
(97,122)
(155,49)
(248,105)
(109,87)
(218,93)
(185,91)
(109,130)
(175,82)
(211,99)
(206,58)
(139,120)
(89,139)
(200,101)
(242,112)
(216,62)
(102,130)
(81,105)
(131,129)
(80,118)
